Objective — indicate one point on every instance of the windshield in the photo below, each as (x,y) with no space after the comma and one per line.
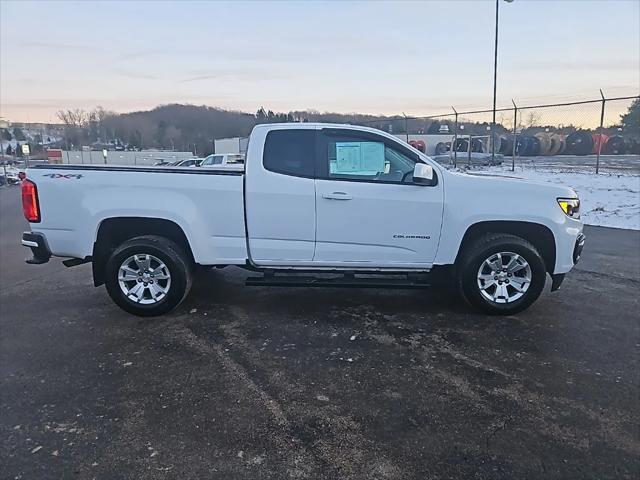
(212,160)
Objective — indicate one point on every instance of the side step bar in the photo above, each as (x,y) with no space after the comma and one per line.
(346,281)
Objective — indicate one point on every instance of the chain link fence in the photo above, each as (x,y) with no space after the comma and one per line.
(592,135)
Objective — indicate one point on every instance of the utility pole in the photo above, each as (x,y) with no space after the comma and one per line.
(406,126)
(515,135)
(455,140)
(495,84)
(4,167)
(604,101)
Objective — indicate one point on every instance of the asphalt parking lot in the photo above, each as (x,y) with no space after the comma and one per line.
(270,383)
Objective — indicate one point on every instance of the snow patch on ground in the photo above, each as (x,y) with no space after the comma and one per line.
(606,199)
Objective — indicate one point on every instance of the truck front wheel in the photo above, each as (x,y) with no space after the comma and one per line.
(148,275)
(501,274)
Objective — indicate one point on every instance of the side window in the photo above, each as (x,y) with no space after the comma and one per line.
(291,152)
(217,160)
(350,156)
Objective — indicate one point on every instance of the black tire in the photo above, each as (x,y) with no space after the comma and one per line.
(579,143)
(461,145)
(522,144)
(614,146)
(176,260)
(508,147)
(533,146)
(483,248)
(505,145)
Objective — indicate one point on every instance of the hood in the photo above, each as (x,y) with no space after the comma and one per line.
(497,181)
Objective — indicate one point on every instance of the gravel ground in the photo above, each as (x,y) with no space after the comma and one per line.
(270,383)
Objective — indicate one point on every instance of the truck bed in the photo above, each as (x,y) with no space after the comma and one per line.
(207,204)
(212,170)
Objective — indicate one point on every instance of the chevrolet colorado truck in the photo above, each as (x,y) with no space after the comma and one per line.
(316,205)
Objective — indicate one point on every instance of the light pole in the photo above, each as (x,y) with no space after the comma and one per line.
(495,85)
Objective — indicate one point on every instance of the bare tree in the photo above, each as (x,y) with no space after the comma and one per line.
(533,118)
(73,118)
(75,122)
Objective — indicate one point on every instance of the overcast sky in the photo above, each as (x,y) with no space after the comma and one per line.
(370,57)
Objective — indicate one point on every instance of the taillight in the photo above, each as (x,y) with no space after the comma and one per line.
(30,205)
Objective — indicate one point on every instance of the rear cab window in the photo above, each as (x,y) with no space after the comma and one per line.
(291,152)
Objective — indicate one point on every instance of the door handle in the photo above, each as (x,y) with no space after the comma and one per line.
(337,196)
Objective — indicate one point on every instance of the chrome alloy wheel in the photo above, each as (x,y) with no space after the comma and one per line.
(504,277)
(144,279)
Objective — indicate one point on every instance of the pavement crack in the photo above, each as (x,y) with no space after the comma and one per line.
(608,275)
(494,431)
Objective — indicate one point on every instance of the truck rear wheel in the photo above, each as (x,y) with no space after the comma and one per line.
(501,274)
(148,275)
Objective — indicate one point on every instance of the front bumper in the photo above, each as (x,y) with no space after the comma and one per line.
(39,248)
(558,278)
(577,249)
(556,281)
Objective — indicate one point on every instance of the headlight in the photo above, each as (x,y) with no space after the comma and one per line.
(570,206)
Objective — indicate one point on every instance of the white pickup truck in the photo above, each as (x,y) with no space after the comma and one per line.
(317,205)
(231,161)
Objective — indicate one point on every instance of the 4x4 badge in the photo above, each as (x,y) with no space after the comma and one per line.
(77,176)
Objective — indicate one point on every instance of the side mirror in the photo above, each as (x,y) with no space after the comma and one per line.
(423,174)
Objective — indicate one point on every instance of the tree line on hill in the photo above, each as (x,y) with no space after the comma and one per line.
(183,127)
(193,128)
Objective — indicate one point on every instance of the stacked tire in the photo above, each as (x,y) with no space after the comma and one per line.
(615,146)
(579,142)
(558,144)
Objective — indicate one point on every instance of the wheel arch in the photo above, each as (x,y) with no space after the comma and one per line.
(537,234)
(113,231)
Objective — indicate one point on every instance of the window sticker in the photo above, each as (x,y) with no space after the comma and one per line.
(358,158)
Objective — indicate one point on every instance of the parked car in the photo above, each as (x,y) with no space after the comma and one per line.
(232,161)
(11,177)
(191,162)
(347,205)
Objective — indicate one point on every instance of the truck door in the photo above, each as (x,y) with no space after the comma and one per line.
(369,213)
(280,196)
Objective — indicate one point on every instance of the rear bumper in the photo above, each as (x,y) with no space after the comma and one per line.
(39,248)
